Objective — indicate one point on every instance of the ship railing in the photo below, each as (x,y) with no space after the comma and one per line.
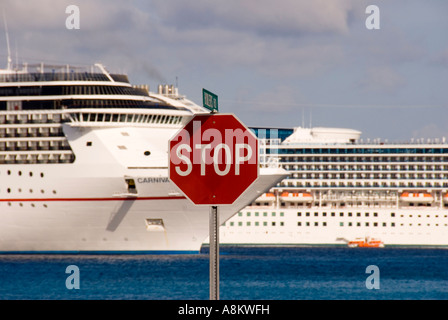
(46,72)
(107,117)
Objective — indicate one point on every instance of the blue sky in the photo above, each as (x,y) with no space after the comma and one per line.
(277,63)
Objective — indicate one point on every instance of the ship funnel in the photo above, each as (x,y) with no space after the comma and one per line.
(168,90)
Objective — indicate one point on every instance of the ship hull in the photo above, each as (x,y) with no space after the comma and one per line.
(97,219)
(394,227)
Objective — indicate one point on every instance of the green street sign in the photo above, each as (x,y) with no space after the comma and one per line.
(210,100)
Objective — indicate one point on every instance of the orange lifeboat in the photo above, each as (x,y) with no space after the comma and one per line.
(366,243)
(266,197)
(416,197)
(296,197)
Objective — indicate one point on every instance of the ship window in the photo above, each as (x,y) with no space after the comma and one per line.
(265,223)
(240,224)
(240,214)
(89,143)
(248,214)
(299,224)
(131,185)
(257,223)
(299,214)
(341,224)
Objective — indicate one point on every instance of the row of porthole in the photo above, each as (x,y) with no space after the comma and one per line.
(31,190)
(20,173)
(32,205)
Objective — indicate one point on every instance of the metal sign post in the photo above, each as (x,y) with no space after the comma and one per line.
(212,105)
(214,253)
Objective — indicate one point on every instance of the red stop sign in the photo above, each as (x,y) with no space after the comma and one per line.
(213,159)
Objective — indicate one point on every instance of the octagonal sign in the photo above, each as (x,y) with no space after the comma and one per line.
(213,159)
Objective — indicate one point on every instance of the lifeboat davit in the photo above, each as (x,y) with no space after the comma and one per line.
(445,198)
(416,197)
(366,243)
(296,197)
(266,197)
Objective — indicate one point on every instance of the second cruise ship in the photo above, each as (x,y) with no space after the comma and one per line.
(342,190)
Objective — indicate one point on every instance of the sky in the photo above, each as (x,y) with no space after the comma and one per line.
(283,63)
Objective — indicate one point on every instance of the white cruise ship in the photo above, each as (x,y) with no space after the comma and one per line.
(83,165)
(345,191)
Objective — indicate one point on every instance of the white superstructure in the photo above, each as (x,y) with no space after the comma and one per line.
(341,188)
(83,165)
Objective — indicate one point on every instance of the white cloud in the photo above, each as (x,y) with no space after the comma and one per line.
(382,79)
(283,17)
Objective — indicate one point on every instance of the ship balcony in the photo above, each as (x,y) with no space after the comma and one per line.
(33,157)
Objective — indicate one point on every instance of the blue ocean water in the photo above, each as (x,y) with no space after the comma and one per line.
(246,273)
